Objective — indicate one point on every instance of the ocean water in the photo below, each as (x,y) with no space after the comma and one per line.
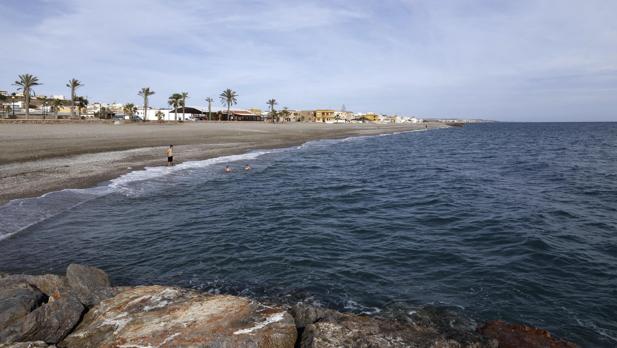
(501,221)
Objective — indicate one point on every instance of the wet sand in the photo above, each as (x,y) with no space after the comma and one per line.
(40,158)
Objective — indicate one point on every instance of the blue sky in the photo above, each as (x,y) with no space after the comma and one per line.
(544,60)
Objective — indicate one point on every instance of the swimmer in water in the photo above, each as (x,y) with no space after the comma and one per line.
(227,169)
(247,167)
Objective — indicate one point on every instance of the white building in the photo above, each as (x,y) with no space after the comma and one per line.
(153,114)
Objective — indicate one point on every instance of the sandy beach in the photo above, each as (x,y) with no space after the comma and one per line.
(40,158)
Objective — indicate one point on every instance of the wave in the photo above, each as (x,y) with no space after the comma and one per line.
(20,214)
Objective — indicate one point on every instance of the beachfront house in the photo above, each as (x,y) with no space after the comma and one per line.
(239,115)
(153,114)
(306,116)
(368,117)
(324,115)
(343,116)
(188,113)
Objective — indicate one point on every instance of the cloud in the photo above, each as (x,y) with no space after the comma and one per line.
(495,59)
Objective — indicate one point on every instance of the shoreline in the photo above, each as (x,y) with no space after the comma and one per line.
(80,163)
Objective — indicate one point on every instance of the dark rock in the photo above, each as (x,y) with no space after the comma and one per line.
(53,321)
(517,335)
(158,316)
(348,330)
(90,284)
(449,322)
(49,284)
(17,300)
(37,344)
(304,314)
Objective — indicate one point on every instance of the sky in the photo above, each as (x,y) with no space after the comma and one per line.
(524,60)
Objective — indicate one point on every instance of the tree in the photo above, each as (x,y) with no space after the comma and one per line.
(44,106)
(174,101)
(73,84)
(229,98)
(159,115)
(81,102)
(184,96)
(285,113)
(145,93)
(271,103)
(129,109)
(56,104)
(209,100)
(25,84)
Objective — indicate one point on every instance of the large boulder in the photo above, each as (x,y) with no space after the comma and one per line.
(52,321)
(90,284)
(331,330)
(49,284)
(160,316)
(518,335)
(17,300)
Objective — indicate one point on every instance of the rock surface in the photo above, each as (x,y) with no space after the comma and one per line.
(171,317)
(17,300)
(49,284)
(36,344)
(90,284)
(36,311)
(517,335)
(52,321)
(348,330)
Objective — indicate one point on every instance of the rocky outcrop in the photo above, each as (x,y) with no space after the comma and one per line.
(160,316)
(517,335)
(56,312)
(328,329)
(90,284)
(81,309)
(52,321)
(49,284)
(17,300)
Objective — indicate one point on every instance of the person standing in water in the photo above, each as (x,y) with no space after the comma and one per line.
(170,155)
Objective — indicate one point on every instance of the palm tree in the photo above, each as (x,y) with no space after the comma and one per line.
(174,101)
(73,84)
(43,106)
(209,100)
(145,93)
(271,103)
(81,102)
(159,115)
(229,98)
(184,96)
(129,109)
(56,104)
(25,83)
(285,114)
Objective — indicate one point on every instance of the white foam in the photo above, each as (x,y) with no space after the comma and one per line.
(20,214)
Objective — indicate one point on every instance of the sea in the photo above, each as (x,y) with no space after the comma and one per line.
(512,221)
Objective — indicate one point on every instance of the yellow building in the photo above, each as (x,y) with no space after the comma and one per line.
(255,111)
(324,116)
(370,117)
